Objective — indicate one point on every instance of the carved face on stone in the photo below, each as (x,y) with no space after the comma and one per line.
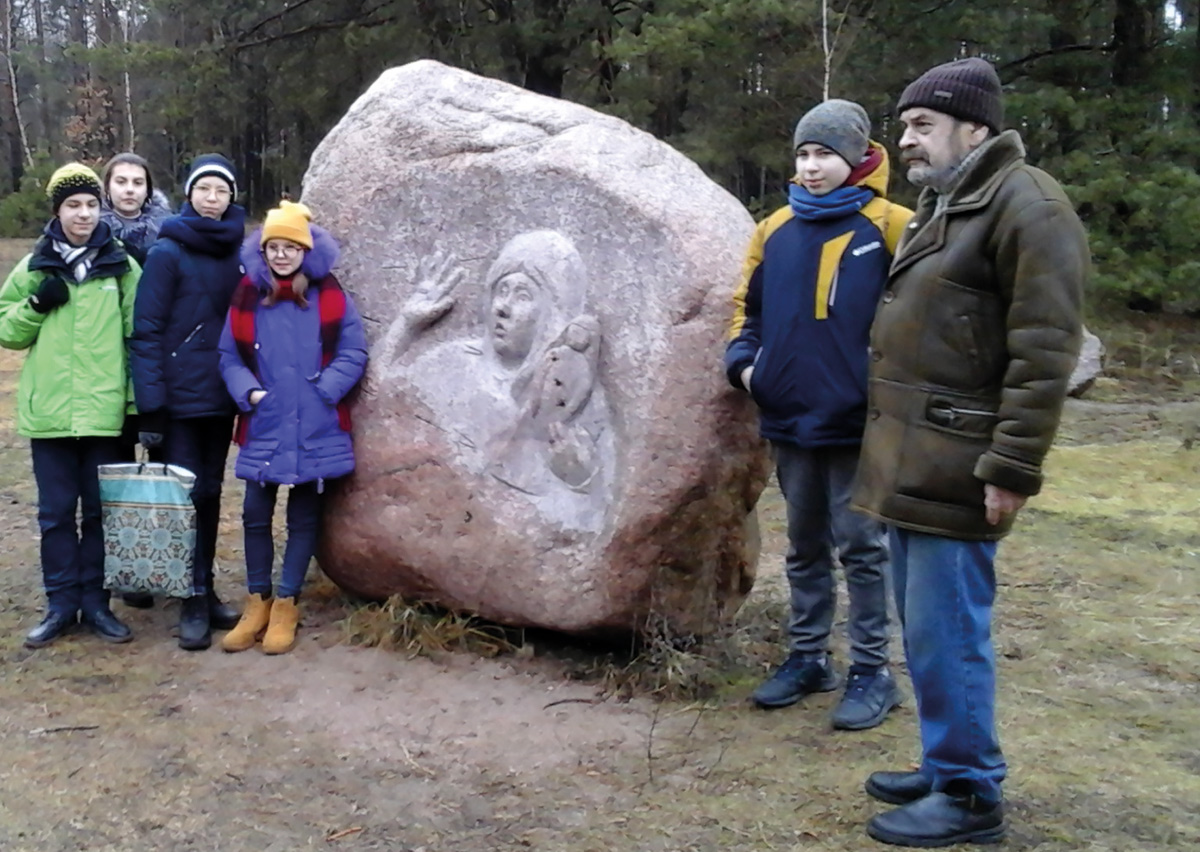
(535,286)
(517,306)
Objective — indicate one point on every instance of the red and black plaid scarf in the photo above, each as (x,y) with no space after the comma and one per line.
(331,306)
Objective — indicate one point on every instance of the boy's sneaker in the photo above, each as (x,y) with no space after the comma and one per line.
(800,675)
(870,695)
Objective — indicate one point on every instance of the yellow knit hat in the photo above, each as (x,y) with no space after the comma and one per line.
(288,221)
(71,179)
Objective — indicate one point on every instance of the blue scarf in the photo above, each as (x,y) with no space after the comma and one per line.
(213,237)
(842,202)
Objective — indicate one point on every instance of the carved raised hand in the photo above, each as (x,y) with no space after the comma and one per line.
(432,299)
(437,278)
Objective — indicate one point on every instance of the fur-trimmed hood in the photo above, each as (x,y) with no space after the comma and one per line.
(318,261)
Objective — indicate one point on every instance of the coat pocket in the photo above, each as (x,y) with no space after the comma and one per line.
(963,343)
(318,419)
(944,438)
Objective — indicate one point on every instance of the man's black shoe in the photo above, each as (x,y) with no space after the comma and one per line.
(55,624)
(797,677)
(898,788)
(138,600)
(107,626)
(195,634)
(940,819)
(221,616)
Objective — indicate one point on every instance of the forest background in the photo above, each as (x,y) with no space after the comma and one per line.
(1106,93)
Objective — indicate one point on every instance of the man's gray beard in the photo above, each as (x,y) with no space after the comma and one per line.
(939,180)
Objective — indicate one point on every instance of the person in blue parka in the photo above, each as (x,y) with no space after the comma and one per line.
(292,348)
(191,272)
(814,273)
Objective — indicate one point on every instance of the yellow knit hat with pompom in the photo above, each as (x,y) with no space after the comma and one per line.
(288,221)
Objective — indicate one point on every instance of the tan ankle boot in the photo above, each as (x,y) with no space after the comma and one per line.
(281,632)
(255,617)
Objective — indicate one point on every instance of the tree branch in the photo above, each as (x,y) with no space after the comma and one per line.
(287,9)
(1042,54)
(319,26)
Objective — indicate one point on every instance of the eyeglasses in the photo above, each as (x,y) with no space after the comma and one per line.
(282,251)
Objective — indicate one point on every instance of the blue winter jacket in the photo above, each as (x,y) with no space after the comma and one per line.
(294,435)
(803,310)
(191,272)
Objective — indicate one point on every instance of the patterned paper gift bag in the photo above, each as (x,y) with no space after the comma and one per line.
(149,528)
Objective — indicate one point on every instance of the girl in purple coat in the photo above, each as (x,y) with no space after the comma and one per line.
(292,348)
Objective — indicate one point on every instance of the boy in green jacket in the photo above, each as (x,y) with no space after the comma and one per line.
(70,304)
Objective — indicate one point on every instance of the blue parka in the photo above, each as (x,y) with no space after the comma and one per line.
(293,433)
(803,310)
(183,296)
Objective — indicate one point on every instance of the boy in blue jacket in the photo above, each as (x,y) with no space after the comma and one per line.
(813,274)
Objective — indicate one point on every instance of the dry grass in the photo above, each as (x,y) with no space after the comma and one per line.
(424,630)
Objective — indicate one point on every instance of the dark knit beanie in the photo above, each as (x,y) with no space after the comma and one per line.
(211,165)
(968,89)
(841,126)
(71,179)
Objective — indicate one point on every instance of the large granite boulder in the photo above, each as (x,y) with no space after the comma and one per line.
(545,436)
(1089,367)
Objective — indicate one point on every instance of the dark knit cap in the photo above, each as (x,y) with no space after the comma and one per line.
(968,89)
(71,179)
(211,165)
(841,126)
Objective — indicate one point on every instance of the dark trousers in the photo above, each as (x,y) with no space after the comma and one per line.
(201,444)
(303,528)
(72,556)
(816,484)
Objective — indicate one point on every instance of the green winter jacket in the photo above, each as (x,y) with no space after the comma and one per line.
(75,379)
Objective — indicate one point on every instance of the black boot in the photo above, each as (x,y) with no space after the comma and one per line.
(138,600)
(899,788)
(194,631)
(221,615)
(940,819)
(55,624)
(107,626)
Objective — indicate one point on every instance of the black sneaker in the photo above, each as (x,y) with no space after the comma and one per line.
(870,695)
(800,675)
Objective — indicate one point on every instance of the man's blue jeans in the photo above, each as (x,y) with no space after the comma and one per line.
(816,485)
(945,589)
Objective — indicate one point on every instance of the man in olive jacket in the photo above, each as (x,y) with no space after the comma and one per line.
(971,351)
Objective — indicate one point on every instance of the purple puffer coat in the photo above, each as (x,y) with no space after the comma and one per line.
(294,434)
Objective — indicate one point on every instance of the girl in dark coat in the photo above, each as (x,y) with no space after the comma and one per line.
(190,275)
(292,349)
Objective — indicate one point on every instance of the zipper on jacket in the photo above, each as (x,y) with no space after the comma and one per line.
(193,333)
(975,411)
(953,417)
